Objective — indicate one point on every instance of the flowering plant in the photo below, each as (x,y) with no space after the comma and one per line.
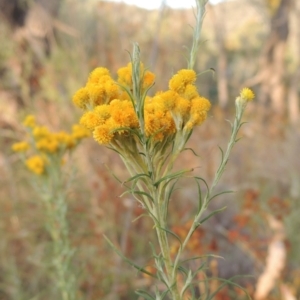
(149,133)
(43,152)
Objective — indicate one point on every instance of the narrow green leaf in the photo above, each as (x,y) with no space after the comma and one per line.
(119,180)
(139,217)
(216,195)
(140,269)
(183,270)
(190,149)
(228,282)
(143,194)
(238,139)
(137,176)
(199,197)
(201,257)
(144,294)
(172,189)
(164,294)
(212,214)
(203,180)
(222,154)
(172,176)
(153,250)
(172,233)
(168,197)
(113,149)
(188,283)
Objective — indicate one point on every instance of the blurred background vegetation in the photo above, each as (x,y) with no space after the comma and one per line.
(48,48)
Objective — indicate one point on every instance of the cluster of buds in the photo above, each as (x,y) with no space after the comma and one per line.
(45,146)
(112,109)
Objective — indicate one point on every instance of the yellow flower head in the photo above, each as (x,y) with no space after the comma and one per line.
(97,74)
(96,94)
(90,120)
(180,80)
(40,132)
(199,104)
(123,114)
(125,75)
(168,98)
(112,90)
(158,121)
(102,91)
(148,79)
(153,127)
(29,121)
(103,134)
(178,106)
(103,112)
(198,112)
(36,164)
(190,92)
(48,144)
(182,107)
(82,98)
(65,140)
(20,147)
(247,94)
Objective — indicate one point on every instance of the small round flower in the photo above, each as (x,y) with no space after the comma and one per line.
(168,99)
(180,80)
(123,114)
(96,94)
(198,112)
(247,94)
(125,75)
(29,121)
(97,74)
(103,112)
(182,107)
(40,132)
(81,98)
(158,121)
(200,104)
(90,120)
(153,126)
(36,164)
(190,92)
(112,90)
(20,147)
(103,134)
(48,144)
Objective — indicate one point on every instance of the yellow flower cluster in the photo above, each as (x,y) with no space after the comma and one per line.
(46,143)
(112,114)
(187,107)
(20,147)
(99,89)
(36,164)
(247,94)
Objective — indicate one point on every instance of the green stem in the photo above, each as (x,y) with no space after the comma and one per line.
(196,36)
(165,249)
(56,208)
(233,139)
